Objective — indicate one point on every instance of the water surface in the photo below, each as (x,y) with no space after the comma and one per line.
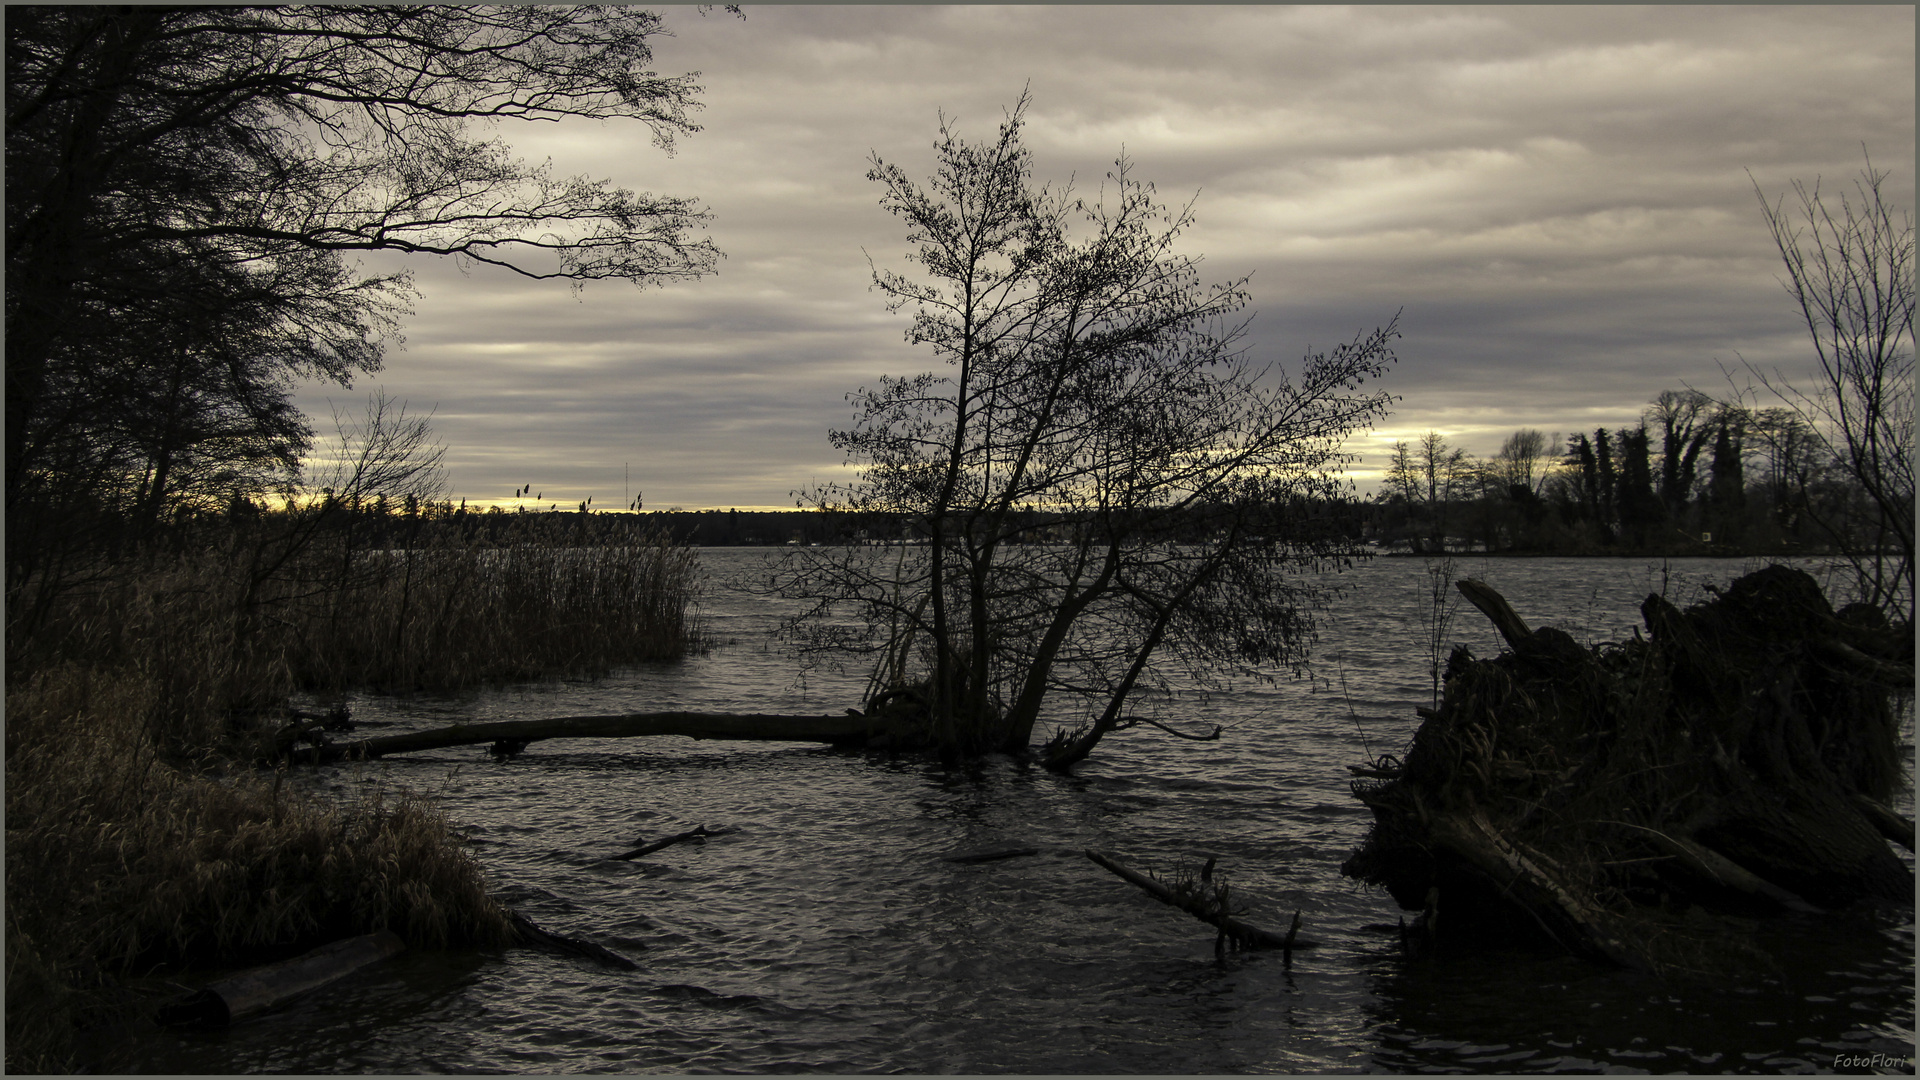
(829,935)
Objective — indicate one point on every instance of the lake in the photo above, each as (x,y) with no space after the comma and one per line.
(829,935)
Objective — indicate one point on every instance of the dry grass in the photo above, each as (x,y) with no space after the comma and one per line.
(122,862)
(137,844)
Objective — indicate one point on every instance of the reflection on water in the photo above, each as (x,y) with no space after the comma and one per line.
(829,935)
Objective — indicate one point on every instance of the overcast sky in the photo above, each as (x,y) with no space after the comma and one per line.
(1558,197)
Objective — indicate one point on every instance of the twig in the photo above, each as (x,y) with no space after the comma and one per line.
(1127,722)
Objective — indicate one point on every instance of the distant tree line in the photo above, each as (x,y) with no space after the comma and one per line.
(1695,475)
(1826,468)
(383,522)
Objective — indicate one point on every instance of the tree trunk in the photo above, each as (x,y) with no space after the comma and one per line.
(840,730)
(1033,691)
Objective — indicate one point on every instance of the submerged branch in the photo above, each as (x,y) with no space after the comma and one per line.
(1251,936)
(1132,720)
(698,835)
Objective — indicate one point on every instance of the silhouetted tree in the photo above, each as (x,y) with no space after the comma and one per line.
(1641,509)
(1726,485)
(1791,456)
(1113,495)
(1608,479)
(1429,473)
(1525,460)
(1587,492)
(183,185)
(1683,418)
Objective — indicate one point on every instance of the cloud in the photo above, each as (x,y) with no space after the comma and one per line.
(1560,199)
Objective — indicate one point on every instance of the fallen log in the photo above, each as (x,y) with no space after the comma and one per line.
(1248,935)
(700,834)
(750,727)
(259,989)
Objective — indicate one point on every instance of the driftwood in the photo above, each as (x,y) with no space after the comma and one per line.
(1716,869)
(1624,797)
(259,989)
(1495,607)
(1248,935)
(546,940)
(698,835)
(992,856)
(839,730)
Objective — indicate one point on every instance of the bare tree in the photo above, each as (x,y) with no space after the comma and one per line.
(1429,473)
(1852,277)
(1526,459)
(1791,457)
(383,453)
(1114,499)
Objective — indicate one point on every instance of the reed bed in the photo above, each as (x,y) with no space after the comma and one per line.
(233,627)
(543,600)
(140,841)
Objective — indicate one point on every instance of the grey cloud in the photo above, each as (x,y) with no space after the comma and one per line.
(1558,197)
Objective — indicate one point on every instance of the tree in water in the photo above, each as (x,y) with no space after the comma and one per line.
(1111,496)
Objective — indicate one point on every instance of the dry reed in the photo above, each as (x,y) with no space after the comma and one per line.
(121,861)
(545,599)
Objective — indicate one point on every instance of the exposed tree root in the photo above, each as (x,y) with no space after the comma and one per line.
(1739,760)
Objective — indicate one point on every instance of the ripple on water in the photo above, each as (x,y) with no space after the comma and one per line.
(829,935)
